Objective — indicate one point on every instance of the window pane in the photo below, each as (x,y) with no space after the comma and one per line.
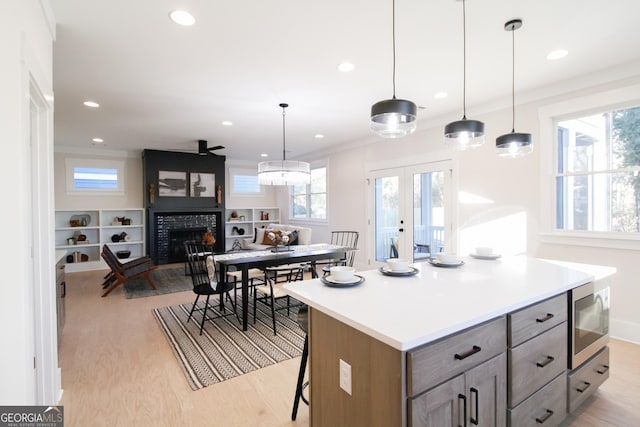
(95,178)
(626,135)
(319,180)
(299,206)
(598,202)
(246,184)
(318,206)
(298,189)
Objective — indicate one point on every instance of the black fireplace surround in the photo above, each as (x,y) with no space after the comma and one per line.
(168,230)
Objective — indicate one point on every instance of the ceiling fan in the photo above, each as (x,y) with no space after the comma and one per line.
(203,149)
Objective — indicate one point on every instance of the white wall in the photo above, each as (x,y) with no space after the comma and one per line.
(26,36)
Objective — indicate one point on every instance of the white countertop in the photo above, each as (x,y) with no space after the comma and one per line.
(60,253)
(405,312)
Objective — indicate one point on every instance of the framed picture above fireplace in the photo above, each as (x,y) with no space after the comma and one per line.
(172,184)
(202,184)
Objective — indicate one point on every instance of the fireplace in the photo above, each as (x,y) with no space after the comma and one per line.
(177,239)
(168,230)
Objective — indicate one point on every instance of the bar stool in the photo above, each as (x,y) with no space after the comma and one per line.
(303,322)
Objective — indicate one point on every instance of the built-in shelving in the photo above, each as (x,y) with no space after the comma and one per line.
(247,220)
(98,226)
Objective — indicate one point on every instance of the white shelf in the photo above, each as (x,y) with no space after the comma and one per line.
(252,219)
(101,227)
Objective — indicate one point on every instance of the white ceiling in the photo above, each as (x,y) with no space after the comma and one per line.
(163,86)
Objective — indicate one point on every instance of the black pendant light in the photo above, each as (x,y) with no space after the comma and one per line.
(463,134)
(393,118)
(514,144)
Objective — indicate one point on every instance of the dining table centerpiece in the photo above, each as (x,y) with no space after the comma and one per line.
(281,240)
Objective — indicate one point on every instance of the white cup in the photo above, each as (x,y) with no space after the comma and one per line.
(484,251)
(447,258)
(397,264)
(341,273)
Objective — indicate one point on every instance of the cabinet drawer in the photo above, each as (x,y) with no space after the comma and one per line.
(587,378)
(535,319)
(547,407)
(434,363)
(536,362)
(59,272)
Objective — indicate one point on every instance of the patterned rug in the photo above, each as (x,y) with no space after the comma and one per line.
(224,350)
(167,280)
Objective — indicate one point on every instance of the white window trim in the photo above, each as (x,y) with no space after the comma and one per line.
(623,97)
(72,163)
(243,171)
(312,221)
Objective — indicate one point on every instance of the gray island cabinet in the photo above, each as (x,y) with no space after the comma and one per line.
(484,344)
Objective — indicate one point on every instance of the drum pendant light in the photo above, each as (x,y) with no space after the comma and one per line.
(513,144)
(284,172)
(393,118)
(463,134)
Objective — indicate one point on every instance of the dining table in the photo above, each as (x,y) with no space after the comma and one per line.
(273,257)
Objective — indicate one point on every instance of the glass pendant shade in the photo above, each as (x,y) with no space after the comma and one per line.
(514,144)
(464,134)
(393,118)
(284,172)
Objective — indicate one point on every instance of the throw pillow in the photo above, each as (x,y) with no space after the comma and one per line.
(293,238)
(266,240)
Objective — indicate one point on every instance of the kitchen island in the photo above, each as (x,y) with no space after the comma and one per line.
(395,334)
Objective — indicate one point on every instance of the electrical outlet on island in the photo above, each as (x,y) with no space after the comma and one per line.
(345,376)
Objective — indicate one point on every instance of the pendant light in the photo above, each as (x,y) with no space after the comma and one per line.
(463,134)
(284,172)
(393,118)
(513,144)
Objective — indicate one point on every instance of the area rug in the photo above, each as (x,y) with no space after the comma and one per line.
(224,350)
(167,281)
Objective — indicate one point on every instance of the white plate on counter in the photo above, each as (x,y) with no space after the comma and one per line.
(488,257)
(330,281)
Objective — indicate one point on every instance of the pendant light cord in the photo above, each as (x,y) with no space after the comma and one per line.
(513,78)
(464,62)
(393,38)
(284,156)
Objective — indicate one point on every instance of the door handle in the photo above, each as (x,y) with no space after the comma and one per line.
(464,410)
(401,230)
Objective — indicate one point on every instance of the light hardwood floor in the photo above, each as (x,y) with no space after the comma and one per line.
(118,370)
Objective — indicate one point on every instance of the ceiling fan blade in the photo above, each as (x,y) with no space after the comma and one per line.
(217,147)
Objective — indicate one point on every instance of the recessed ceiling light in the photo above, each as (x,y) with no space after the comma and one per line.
(440,95)
(319,136)
(182,17)
(98,140)
(227,123)
(557,54)
(91,104)
(346,67)
(264,155)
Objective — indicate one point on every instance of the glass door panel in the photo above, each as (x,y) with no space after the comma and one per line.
(428,214)
(387,215)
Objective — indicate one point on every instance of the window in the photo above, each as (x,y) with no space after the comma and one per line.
(310,201)
(91,176)
(597,172)
(244,182)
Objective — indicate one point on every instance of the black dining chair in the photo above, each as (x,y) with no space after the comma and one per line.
(206,282)
(272,290)
(348,239)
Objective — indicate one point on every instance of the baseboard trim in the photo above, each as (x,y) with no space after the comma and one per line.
(625,330)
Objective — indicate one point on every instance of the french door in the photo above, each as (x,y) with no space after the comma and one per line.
(412,213)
